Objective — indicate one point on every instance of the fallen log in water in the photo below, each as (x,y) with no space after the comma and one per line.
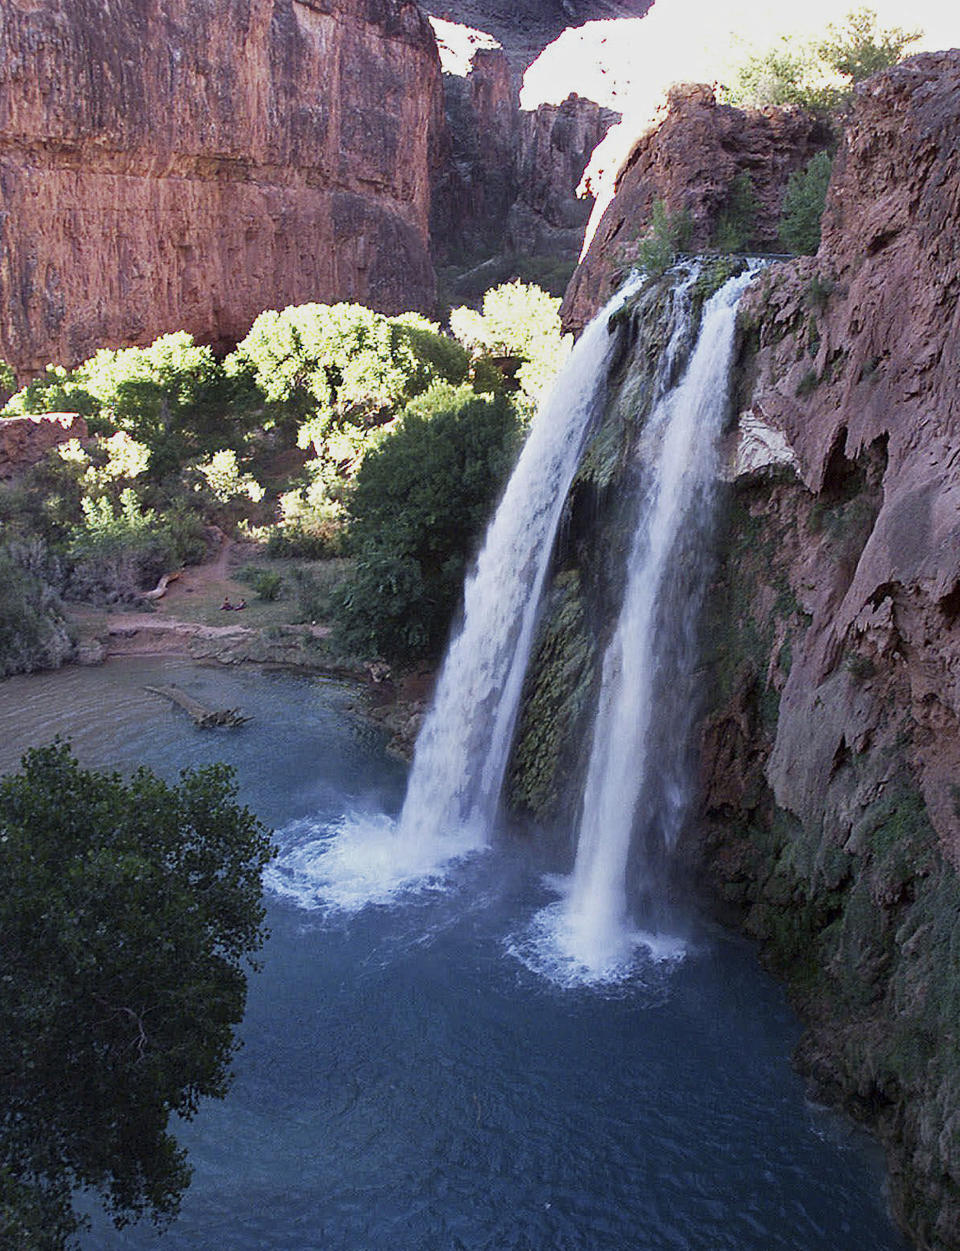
(202,716)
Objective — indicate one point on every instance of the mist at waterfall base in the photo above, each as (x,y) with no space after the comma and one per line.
(453,794)
(404,1085)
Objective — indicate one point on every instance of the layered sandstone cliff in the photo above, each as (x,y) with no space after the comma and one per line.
(690,159)
(184,164)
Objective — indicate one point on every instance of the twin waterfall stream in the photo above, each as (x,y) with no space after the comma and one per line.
(636,791)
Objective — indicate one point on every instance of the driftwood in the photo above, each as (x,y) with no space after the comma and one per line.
(160,589)
(204,717)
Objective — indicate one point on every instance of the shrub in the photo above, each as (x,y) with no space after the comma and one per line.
(33,632)
(737,217)
(419,505)
(803,204)
(667,235)
(267,583)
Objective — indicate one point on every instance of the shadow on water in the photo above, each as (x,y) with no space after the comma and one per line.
(407,1083)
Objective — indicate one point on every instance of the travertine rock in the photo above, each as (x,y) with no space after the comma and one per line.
(868,368)
(689,160)
(26,440)
(184,164)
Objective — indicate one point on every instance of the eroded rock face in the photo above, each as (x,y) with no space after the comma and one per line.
(556,142)
(184,164)
(832,755)
(689,159)
(24,441)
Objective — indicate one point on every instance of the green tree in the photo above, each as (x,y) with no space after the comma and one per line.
(859,48)
(521,321)
(818,75)
(667,235)
(420,503)
(803,203)
(737,217)
(128,914)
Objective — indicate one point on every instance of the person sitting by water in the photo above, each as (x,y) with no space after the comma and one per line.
(241,605)
(226,606)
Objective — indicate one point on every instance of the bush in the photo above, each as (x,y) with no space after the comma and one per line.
(417,511)
(33,632)
(737,217)
(803,203)
(267,583)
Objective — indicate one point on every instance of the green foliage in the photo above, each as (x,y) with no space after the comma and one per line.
(8,379)
(859,48)
(224,479)
(120,548)
(128,913)
(667,235)
(519,321)
(267,583)
(803,203)
(419,505)
(737,217)
(33,632)
(170,396)
(343,365)
(818,75)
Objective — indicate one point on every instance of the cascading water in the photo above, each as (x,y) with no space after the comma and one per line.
(462,750)
(461,753)
(637,789)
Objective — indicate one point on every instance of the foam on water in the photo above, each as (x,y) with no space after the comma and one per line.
(549,949)
(362,859)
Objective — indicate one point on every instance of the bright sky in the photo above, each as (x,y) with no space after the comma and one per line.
(628,64)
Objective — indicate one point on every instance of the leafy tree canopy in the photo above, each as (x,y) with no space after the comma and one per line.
(819,75)
(519,320)
(343,364)
(417,511)
(167,395)
(128,912)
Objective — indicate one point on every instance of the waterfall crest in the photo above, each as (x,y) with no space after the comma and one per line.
(637,787)
(461,753)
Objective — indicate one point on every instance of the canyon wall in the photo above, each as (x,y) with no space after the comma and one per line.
(690,159)
(184,164)
(829,816)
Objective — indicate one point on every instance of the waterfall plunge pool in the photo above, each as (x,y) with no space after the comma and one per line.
(407,1084)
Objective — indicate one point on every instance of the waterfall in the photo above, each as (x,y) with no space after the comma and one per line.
(637,786)
(462,751)
(461,754)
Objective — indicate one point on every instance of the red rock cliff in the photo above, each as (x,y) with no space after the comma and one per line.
(170,164)
(689,160)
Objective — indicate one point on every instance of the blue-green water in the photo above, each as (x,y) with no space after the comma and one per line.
(408,1084)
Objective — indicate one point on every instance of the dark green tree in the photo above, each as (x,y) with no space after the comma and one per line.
(803,203)
(129,911)
(417,511)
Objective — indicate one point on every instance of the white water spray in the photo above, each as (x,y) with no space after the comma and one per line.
(636,745)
